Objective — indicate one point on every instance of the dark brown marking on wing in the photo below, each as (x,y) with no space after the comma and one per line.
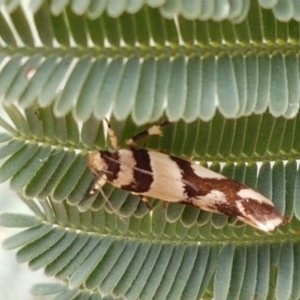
(142,173)
(261,211)
(113,164)
(198,186)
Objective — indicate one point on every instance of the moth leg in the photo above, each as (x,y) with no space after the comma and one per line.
(112,136)
(164,204)
(146,201)
(153,130)
(98,184)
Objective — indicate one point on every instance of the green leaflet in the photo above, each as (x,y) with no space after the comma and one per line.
(17,220)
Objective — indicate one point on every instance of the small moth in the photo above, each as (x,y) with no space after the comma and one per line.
(168,178)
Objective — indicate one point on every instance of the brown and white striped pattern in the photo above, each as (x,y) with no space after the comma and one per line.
(171,179)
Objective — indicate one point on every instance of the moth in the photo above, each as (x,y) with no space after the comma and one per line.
(154,174)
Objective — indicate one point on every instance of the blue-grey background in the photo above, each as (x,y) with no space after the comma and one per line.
(16,279)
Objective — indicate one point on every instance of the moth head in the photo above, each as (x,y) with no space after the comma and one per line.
(96,163)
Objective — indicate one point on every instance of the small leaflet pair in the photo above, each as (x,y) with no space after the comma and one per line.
(168,178)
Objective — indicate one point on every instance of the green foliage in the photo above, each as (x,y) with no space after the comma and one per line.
(231,90)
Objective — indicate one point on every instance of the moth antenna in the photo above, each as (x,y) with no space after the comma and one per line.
(106,199)
(109,203)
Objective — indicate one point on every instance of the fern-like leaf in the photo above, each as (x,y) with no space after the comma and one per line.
(225,73)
